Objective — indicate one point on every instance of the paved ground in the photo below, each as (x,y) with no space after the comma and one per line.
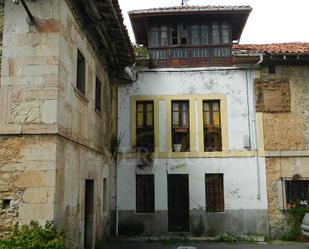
(131,245)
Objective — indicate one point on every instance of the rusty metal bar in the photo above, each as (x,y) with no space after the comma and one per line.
(31,17)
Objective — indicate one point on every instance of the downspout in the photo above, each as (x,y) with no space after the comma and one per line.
(256,133)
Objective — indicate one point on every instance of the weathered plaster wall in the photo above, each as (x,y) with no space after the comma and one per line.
(286,138)
(244,211)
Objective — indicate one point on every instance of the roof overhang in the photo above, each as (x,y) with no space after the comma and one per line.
(103,25)
(236,15)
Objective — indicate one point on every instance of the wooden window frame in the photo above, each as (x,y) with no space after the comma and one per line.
(145,193)
(181,128)
(145,130)
(214,190)
(211,125)
(81,73)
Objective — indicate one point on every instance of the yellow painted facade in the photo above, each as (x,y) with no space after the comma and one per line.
(196,126)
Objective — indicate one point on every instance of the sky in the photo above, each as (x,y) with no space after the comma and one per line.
(271,21)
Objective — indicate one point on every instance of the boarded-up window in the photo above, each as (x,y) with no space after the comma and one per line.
(212,125)
(98,95)
(145,194)
(144,126)
(180,126)
(214,193)
(81,73)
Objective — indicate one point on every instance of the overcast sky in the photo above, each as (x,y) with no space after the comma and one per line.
(270,21)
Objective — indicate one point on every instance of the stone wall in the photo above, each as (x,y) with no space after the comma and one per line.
(286,133)
(27,180)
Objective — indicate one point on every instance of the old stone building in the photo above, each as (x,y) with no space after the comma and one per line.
(282,98)
(59,65)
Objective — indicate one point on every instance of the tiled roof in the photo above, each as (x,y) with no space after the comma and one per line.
(192,8)
(274,48)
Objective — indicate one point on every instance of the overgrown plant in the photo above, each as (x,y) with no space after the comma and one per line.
(34,236)
(294,220)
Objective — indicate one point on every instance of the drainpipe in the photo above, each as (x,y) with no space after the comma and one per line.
(256,133)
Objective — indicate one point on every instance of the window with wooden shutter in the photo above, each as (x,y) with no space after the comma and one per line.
(145,126)
(212,125)
(214,193)
(145,194)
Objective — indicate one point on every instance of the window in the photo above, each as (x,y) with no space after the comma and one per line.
(154,37)
(98,94)
(212,125)
(81,73)
(180,126)
(105,195)
(157,55)
(297,192)
(174,35)
(195,35)
(215,33)
(164,39)
(225,33)
(204,35)
(183,35)
(6,203)
(199,35)
(214,193)
(145,194)
(144,126)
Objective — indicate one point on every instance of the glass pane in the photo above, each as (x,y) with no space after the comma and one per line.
(149,107)
(154,37)
(183,34)
(174,35)
(164,36)
(215,33)
(175,107)
(216,119)
(184,107)
(140,120)
(140,107)
(225,33)
(206,106)
(185,119)
(206,118)
(215,106)
(149,119)
(204,34)
(175,119)
(195,35)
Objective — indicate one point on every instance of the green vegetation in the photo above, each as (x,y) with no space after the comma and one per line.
(33,236)
(294,219)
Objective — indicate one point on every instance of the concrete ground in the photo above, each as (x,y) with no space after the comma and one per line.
(202,245)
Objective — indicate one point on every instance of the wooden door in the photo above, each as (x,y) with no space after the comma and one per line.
(178,203)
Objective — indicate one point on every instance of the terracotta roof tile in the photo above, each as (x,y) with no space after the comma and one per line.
(274,48)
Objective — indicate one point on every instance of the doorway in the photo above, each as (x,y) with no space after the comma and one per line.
(178,203)
(89,214)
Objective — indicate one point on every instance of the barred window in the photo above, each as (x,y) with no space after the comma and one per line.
(296,192)
(214,193)
(145,194)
